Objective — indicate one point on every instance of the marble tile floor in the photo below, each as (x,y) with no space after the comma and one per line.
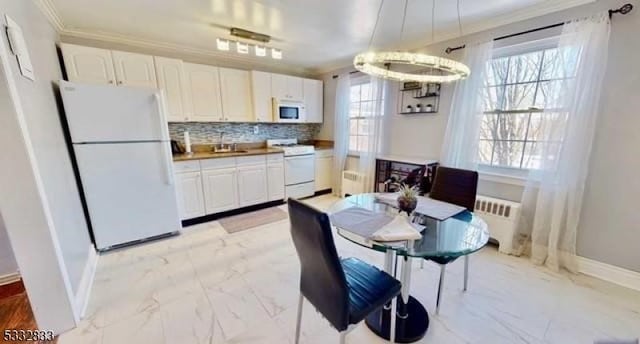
(207,286)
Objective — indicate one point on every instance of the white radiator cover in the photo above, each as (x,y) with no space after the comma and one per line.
(502,217)
(352,183)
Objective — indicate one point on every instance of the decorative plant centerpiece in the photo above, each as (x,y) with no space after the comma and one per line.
(407,199)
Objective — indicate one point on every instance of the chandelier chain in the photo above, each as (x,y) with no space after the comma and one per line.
(404,18)
(375,26)
(433,20)
(459,19)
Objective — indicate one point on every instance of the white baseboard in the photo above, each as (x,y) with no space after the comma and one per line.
(9,278)
(610,273)
(86,283)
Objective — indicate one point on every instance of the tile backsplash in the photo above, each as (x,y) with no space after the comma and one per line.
(206,133)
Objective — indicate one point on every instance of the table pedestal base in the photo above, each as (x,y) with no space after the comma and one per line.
(408,330)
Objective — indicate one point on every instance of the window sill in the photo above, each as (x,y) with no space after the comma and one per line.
(502,178)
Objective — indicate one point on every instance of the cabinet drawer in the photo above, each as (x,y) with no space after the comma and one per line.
(251,160)
(322,153)
(186,166)
(215,163)
(275,157)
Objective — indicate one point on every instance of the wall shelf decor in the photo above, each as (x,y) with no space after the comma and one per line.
(419,98)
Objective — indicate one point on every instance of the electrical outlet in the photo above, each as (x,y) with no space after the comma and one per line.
(256,130)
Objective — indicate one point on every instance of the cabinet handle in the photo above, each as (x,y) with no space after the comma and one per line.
(111,81)
(119,82)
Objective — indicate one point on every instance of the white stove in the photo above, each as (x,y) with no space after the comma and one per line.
(299,167)
(291,147)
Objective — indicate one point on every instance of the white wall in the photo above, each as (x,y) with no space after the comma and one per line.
(609,230)
(8,263)
(45,131)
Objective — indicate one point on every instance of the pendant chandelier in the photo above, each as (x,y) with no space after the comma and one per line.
(435,69)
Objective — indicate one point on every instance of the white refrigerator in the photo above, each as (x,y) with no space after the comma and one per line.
(122,148)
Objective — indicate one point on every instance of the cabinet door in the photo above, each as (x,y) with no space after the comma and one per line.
(236,95)
(275,179)
(252,185)
(220,189)
(170,75)
(134,69)
(87,64)
(313,100)
(295,88)
(190,195)
(203,84)
(261,95)
(324,173)
(279,86)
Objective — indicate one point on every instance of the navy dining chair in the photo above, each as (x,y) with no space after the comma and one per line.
(345,290)
(459,187)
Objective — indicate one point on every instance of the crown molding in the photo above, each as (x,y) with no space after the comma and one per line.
(527,13)
(178,48)
(49,10)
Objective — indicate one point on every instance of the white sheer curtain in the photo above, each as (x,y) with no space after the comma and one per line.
(460,147)
(341,130)
(553,195)
(375,124)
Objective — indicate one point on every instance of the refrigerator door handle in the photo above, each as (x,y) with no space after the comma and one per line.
(167,162)
(163,115)
(165,145)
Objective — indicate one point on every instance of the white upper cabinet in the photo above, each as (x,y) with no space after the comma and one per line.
(134,69)
(261,96)
(235,88)
(286,87)
(203,85)
(313,100)
(87,64)
(295,88)
(170,74)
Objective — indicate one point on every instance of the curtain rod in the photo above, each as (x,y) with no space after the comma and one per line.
(351,72)
(626,8)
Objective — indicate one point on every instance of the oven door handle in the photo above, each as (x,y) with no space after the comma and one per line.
(299,157)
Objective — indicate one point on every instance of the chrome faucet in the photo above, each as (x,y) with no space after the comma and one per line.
(220,146)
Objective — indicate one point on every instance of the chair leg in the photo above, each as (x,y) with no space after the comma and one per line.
(299,320)
(421,263)
(343,337)
(466,272)
(392,330)
(440,285)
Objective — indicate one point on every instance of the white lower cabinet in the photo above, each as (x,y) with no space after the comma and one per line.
(220,189)
(275,180)
(212,186)
(252,185)
(324,170)
(189,193)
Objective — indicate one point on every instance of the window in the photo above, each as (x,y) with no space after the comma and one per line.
(522,107)
(362,109)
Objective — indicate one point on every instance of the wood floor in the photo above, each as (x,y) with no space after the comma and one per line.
(15,311)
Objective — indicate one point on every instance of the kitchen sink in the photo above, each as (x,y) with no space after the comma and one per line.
(229,150)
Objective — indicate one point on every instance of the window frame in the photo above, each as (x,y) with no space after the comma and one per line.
(359,81)
(498,172)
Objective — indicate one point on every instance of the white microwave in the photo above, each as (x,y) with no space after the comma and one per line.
(286,111)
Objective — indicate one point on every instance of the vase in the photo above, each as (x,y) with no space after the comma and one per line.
(407,204)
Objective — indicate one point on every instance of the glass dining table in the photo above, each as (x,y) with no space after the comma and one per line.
(457,236)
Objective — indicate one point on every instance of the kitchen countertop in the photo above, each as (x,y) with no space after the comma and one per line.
(213,155)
